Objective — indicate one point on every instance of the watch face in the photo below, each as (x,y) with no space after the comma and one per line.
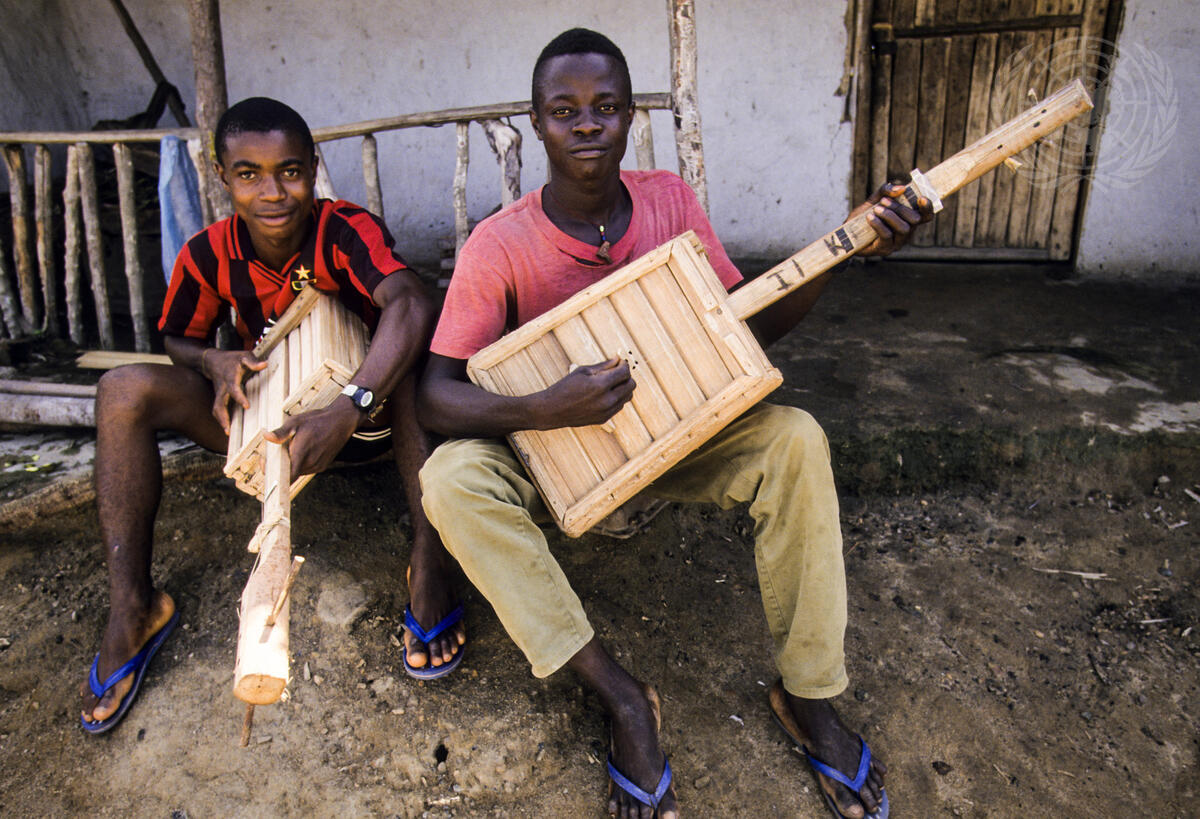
(364,399)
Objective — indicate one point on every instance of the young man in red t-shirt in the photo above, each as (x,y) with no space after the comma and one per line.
(590,219)
(279,240)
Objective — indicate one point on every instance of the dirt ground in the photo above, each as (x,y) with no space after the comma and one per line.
(1021,642)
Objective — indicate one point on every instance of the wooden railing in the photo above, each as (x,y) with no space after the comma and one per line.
(29,299)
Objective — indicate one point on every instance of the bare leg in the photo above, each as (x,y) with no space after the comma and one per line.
(635,748)
(133,403)
(430,575)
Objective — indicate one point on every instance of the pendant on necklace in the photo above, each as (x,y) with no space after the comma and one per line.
(605,246)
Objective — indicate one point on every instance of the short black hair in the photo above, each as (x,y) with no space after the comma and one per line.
(578,41)
(260,115)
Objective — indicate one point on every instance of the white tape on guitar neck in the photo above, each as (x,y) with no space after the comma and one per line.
(926,189)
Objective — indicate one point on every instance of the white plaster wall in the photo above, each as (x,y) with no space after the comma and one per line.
(778,156)
(1148,229)
(38,91)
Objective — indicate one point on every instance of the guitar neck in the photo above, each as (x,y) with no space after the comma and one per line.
(941,181)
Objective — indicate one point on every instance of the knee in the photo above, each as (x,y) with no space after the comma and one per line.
(451,475)
(798,434)
(124,393)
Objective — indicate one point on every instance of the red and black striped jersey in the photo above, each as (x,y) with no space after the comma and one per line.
(348,251)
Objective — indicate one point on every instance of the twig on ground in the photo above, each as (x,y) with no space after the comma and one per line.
(1084,575)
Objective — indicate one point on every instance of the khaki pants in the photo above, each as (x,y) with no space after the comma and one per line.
(487,511)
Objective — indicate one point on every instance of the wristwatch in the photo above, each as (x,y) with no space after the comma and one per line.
(362,397)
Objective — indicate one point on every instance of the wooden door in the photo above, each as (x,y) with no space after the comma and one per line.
(938,74)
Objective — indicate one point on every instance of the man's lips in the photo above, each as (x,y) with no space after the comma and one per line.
(275,217)
(589,151)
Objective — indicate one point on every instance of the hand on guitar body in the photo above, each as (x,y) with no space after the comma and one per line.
(589,394)
(228,370)
(315,438)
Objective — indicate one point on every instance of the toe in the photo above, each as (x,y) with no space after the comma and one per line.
(417,653)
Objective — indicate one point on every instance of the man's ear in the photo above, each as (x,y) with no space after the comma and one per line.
(316,158)
(219,170)
(535,123)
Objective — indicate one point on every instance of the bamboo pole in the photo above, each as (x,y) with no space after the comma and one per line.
(505,142)
(462,158)
(208,57)
(370,166)
(14,160)
(643,139)
(95,246)
(684,97)
(134,275)
(43,191)
(143,50)
(72,231)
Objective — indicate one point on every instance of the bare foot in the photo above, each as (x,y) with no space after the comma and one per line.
(816,725)
(127,632)
(432,596)
(636,753)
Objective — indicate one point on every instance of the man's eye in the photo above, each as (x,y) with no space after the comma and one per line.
(291,173)
(608,108)
(246,176)
(560,112)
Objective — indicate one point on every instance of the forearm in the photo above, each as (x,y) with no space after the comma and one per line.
(461,409)
(401,336)
(186,352)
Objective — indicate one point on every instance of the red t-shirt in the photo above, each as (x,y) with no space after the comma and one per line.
(348,251)
(516,264)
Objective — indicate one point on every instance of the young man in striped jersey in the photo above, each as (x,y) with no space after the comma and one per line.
(279,240)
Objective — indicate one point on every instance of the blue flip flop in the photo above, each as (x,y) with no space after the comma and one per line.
(431,672)
(650,799)
(139,664)
(783,718)
(855,784)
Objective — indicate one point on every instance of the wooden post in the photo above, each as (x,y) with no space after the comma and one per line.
(643,140)
(10,313)
(370,165)
(44,210)
(208,57)
(72,230)
(505,142)
(462,158)
(324,186)
(684,102)
(205,178)
(95,246)
(129,235)
(14,160)
(173,101)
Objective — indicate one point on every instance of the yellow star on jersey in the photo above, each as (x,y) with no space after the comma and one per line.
(302,277)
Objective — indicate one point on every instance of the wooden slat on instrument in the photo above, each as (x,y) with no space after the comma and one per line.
(649,403)
(962,53)
(533,452)
(931,114)
(552,364)
(902,133)
(975,200)
(694,346)
(582,473)
(707,298)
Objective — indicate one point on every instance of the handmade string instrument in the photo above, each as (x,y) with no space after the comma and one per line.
(311,352)
(695,362)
